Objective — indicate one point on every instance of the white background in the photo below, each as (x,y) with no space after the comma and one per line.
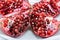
(29,35)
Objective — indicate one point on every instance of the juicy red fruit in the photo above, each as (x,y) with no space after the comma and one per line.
(16,16)
(9,6)
(43,26)
(15,25)
(45,7)
(54,3)
(57,4)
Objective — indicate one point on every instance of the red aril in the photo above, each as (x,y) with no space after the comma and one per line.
(42,25)
(9,6)
(45,7)
(55,4)
(15,24)
(16,16)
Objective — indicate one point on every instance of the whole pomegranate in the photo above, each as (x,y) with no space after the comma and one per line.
(45,7)
(43,25)
(9,6)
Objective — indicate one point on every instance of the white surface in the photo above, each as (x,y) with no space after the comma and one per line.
(28,35)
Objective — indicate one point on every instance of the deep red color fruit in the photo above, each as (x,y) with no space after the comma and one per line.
(9,6)
(15,24)
(16,16)
(45,7)
(54,3)
(43,26)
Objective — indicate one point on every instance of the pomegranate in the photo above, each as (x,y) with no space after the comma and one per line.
(9,6)
(15,18)
(45,7)
(42,25)
(15,24)
(55,4)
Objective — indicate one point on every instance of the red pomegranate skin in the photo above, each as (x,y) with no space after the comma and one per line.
(9,6)
(45,7)
(42,25)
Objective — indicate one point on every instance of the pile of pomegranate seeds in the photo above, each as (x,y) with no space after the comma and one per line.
(19,15)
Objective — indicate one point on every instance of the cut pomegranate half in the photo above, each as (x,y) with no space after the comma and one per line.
(43,26)
(45,7)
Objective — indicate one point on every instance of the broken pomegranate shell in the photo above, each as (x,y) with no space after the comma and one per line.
(45,7)
(9,6)
(15,24)
(43,26)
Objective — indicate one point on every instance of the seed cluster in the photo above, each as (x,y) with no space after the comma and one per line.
(45,7)
(17,17)
(42,27)
(9,6)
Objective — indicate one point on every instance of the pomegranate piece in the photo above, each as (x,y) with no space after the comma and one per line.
(9,6)
(15,24)
(45,7)
(42,25)
(54,3)
(16,16)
